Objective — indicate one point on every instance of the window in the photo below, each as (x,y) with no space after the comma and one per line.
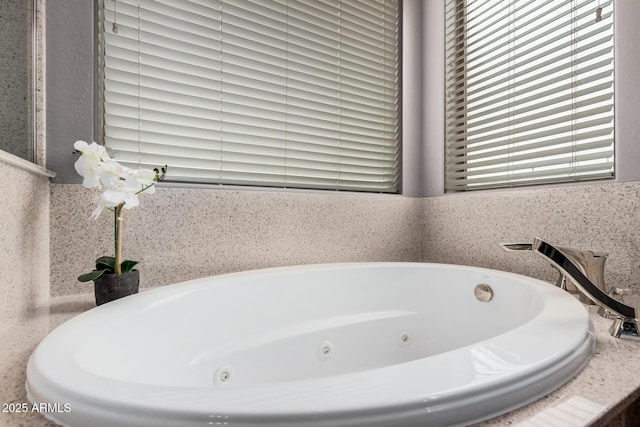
(277,93)
(529,92)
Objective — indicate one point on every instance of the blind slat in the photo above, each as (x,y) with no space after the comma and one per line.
(254,93)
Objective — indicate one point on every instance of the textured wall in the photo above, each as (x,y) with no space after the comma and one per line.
(179,234)
(24,244)
(466,228)
(15,78)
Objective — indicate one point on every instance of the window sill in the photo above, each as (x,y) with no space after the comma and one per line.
(26,165)
(229,187)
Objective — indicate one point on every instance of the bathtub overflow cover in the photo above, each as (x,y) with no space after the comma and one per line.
(483,292)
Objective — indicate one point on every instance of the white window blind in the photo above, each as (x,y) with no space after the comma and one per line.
(282,93)
(529,92)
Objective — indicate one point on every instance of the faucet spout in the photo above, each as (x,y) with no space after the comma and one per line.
(585,271)
(575,275)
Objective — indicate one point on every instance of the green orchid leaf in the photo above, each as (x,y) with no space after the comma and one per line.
(127,266)
(88,277)
(106,263)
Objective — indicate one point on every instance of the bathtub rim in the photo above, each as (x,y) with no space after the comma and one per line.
(577,362)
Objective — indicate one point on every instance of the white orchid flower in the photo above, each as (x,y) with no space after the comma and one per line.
(121,184)
(89,174)
(115,196)
(146,179)
(111,173)
(124,192)
(100,205)
(88,164)
(93,152)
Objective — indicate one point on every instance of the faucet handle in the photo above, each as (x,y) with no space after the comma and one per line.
(627,329)
(621,328)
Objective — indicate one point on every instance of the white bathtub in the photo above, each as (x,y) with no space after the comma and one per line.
(384,344)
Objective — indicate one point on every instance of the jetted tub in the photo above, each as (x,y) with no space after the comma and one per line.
(373,344)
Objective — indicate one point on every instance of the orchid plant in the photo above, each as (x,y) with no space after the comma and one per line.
(121,187)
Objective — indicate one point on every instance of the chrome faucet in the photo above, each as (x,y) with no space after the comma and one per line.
(585,271)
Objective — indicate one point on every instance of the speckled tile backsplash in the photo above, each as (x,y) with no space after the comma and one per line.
(466,228)
(179,234)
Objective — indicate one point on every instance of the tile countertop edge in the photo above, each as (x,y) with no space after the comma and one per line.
(611,378)
(616,410)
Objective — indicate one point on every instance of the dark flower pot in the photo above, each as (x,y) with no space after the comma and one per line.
(109,287)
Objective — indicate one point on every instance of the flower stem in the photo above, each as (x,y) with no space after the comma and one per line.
(118,238)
